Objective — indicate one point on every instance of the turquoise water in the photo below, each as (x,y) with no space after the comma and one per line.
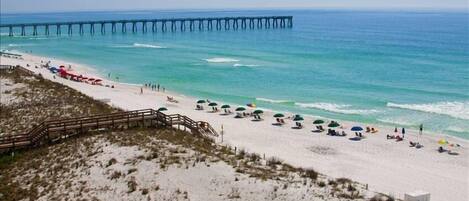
(393,68)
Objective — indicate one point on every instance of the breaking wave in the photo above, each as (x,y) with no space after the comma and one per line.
(274,101)
(221,60)
(337,108)
(244,65)
(140,45)
(454,109)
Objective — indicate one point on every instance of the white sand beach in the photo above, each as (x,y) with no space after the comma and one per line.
(385,165)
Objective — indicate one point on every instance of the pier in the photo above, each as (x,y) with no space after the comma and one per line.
(153,25)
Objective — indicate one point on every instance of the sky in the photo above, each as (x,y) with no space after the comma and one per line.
(20,6)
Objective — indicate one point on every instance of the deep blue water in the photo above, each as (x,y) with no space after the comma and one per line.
(393,68)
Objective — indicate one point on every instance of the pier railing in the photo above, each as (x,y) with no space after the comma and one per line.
(53,130)
(182,24)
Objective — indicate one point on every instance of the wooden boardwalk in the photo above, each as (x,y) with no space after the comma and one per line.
(54,130)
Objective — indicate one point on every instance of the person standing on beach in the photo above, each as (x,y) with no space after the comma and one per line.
(163,89)
(158,86)
(421,129)
(141,90)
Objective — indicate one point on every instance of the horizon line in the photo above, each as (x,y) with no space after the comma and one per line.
(376,9)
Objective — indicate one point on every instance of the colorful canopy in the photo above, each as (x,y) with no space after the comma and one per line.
(201,101)
(356,128)
(442,142)
(251,105)
(225,106)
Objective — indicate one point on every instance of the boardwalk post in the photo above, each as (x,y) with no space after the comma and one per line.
(144,26)
(153,26)
(113,27)
(191,25)
(201,25)
(124,28)
(92,28)
(243,23)
(103,28)
(81,29)
(10,31)
(59,30)
(34,30)
(227,24)
(70,29)
(134,27)
(163,26)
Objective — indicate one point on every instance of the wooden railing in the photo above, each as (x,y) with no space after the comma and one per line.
(147,117)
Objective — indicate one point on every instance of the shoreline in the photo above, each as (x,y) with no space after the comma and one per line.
(87,70)
(300,147)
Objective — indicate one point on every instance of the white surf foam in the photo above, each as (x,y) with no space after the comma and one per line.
(19,45)
(140,45)
(455,109)
(147,45)
(397,122)
(244,65)
(273,101)
(221,60)
(337,108)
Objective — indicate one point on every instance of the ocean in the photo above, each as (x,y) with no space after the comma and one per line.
(392,68)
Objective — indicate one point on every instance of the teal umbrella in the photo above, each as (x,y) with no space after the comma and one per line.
(333,124)
(258,112)
(162,109)
(239,109)
(298,118)
(279,115)
(212,104)
(201,101)
(318,121)
(225,106)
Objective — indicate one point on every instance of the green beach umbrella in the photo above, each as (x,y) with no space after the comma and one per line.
(239,109)
(212,104)
(162,109)
(201,101)
(225,106)
(258,112)
(298,118)
(279,115)
(333,124)
(318,121)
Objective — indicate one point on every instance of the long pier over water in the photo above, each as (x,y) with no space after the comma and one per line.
(143,25)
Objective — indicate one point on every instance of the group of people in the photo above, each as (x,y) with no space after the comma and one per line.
(154,87)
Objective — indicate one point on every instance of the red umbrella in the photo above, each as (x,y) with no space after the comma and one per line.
(98,80)
(62,66)
(91,79)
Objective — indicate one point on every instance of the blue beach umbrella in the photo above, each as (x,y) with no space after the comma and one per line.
(356,128)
